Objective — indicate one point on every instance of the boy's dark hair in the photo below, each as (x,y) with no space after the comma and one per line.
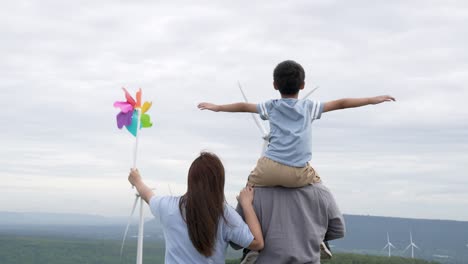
(289,76)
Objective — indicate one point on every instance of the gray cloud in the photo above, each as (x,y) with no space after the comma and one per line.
(63,65)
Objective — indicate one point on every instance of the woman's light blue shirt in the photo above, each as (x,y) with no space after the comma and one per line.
(179,248)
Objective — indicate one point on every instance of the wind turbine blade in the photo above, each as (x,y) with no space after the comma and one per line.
(385,247)
(388,238)
(264,147)
(128,225)
(415,246)
(259,125)
(407,247)
(242,91)
(254,116)
(392,245)
(309,93)
(170,190)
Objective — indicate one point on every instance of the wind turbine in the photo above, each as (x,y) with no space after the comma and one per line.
(258,122)
(141,223)
(412,245)
(140,230)
(389,245)
(263,131)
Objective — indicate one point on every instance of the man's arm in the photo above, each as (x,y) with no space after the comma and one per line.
(135,179)
(336,224)
(236,107)
(336,228)
(355,102)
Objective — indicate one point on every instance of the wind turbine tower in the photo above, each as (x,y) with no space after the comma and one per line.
(389,246)
(412,245)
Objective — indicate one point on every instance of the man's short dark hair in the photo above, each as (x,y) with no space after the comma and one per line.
(289,76)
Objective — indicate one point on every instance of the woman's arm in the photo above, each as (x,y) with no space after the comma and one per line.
(245,199)
(135,179)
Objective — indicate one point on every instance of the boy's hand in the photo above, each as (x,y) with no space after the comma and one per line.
(245,197)
(134,176)
(208,106)
(381,99)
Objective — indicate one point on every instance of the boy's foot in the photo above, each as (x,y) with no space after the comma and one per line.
(325,252)
(245,251)
(249,256)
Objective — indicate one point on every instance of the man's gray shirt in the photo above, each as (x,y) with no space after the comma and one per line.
(295,221)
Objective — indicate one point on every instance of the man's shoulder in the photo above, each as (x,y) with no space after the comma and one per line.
(306,189)
(302,195)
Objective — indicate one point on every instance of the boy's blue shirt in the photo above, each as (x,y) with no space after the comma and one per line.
(290,139)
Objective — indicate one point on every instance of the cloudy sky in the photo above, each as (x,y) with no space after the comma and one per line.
(63,64)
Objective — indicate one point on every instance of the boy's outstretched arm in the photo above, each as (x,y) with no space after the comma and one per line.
(355,102)
(236,107)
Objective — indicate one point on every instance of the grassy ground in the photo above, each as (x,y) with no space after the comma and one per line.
(46,250)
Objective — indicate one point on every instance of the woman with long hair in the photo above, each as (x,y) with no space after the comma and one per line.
(199,225)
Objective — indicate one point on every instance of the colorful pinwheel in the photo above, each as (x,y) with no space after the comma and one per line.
(133,113)
(133,116)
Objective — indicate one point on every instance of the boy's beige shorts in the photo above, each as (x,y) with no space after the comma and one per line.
(271,173)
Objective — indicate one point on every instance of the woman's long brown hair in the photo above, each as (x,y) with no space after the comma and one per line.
(202,206)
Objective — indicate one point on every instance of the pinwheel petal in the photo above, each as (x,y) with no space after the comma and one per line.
(146,106)
(138,98)
(145,121)
(132,127)
(124,119)
(130,99)
(124,106)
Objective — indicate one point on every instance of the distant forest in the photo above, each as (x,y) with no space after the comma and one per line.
(37,250)
(439,240)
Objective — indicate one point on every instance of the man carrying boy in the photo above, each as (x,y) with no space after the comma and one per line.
(286,159)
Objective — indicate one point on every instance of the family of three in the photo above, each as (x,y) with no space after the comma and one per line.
(284,213)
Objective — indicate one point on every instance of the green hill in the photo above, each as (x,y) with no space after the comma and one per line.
(361,259)
(46,250)
(444,241)
(368,259)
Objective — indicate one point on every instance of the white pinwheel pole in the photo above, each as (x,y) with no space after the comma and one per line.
(140,235)
(135,148)
(139,257)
